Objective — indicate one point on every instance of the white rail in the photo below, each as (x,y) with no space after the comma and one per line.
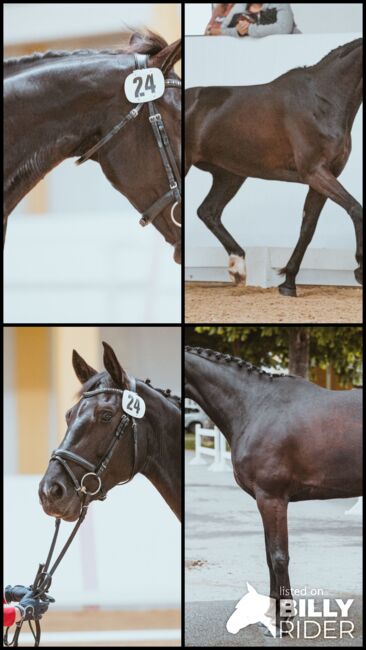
(218,452)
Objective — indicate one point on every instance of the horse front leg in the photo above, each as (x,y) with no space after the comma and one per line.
(224,187)
(314,204)
(323,181)
(272,577)
(273,511)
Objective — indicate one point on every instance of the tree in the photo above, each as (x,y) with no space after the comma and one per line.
(300,349)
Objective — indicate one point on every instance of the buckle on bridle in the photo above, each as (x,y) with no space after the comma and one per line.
(155,118)
(134,112)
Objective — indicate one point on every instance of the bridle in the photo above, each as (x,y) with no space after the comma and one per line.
(173,195)
(44,575)
(95,471)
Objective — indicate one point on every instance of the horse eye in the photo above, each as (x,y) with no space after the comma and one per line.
(106,416)
(68,415)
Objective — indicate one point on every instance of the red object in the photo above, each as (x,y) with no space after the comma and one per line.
(9,614)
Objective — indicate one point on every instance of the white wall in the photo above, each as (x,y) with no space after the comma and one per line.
(311,18)
(85,267)
(263,213)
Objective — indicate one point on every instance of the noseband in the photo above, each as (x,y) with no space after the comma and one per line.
(173,195)
(94,472)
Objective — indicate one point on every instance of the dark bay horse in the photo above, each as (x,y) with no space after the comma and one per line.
(290,441)
(155,450)
(59,105)
(296,129)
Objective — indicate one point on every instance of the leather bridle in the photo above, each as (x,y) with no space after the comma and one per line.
(173,195)
(95,471)
(44,575)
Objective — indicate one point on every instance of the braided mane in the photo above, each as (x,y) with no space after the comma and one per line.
(213,355)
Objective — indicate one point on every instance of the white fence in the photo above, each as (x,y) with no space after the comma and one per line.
(218,452)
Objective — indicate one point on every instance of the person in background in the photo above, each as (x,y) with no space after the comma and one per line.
(258,20)
(220,11)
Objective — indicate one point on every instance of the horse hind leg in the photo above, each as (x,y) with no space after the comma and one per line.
(323,181)
(224,187)
(314,204)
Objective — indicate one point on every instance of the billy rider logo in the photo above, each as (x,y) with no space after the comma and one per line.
(299,618)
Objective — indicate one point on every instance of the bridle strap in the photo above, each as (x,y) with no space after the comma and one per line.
(134,112)
(166,154)
(170,165)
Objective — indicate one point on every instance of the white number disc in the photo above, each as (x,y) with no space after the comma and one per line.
(133,404)
(144,85)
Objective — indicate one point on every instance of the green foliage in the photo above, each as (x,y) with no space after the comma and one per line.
(340,347)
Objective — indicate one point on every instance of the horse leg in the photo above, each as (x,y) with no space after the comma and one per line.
(224,187)
(313,206)
(324,182)
(273,511)
(272,577)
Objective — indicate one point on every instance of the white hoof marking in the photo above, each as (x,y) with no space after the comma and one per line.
(237,267)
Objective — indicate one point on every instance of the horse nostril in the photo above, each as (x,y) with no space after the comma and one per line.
(56,491)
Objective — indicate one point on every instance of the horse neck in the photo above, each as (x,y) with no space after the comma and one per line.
(223,391)
(343,83)
(33,156)
(162,464)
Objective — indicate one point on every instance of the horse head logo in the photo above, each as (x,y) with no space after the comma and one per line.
(253,608)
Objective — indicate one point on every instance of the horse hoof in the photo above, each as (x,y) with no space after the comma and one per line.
(359,275)
(237,278)
(287,291)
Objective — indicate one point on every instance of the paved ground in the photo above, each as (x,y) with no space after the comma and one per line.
(224,549)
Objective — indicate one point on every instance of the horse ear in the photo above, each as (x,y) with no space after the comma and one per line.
(168,57)
(251,589)
(135,38)
(82,370)
(113,367)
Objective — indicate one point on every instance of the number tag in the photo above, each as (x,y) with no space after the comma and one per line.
(144,85)
(133,404)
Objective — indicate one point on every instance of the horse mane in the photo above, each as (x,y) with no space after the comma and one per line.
(340,52)
(140,43)
(213,355)
(92,383)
